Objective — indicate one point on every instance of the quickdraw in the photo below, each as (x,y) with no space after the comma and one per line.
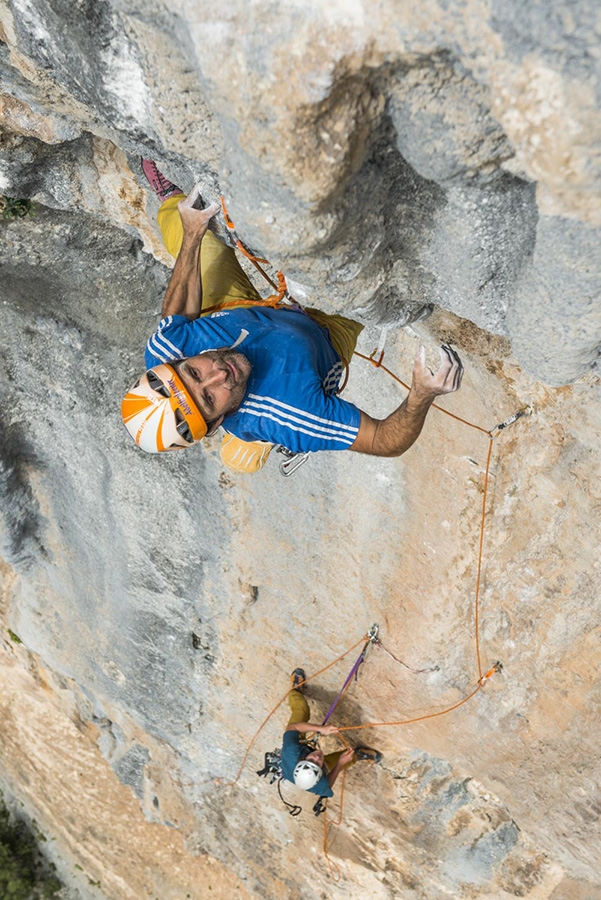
(372,638)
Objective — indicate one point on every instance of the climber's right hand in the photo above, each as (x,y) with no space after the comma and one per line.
(195,221)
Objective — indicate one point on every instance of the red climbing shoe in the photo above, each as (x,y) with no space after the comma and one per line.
(367,753)
(162,187)
(297,678)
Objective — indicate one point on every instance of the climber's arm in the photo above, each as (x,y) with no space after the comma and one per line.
(305,727)
(184,293)
(343,760)
(399,431)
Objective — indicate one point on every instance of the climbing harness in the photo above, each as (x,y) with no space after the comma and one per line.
(372,636)
(281,297)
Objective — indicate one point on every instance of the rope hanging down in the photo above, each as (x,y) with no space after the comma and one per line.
(371,636)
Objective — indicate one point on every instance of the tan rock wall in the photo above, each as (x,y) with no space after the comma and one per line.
(393,160)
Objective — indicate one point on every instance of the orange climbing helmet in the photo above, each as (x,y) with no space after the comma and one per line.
(160,414)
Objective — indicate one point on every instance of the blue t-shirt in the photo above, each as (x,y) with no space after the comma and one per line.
(291,393)
(291,753)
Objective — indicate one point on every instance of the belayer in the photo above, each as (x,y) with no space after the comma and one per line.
(301,762)
(266,375)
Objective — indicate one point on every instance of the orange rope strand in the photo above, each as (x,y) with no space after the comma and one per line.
(333,867)
(441,712)
(255,260)
(480,551)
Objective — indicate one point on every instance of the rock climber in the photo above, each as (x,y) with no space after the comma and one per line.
(304,765)
(267,375)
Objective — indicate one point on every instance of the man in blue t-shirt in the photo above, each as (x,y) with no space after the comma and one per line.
(302,763)
(267,375)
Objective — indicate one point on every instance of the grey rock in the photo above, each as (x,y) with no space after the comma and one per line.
(558,299)
(130,768)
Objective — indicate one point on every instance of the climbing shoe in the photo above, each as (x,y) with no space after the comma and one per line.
(368,754)
(162,187)
(297,678)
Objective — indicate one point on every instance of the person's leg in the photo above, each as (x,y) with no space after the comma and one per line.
(299,708)
(170,225)
(344,332)
(331,759)
(223,278)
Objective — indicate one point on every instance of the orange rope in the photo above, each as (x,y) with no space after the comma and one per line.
(242,303)
(480,550)
(333,867)
(441,712)
(255,260)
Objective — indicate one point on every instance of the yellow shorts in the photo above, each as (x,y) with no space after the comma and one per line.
(223,281)
(223,278)
(344,333)
(299,712)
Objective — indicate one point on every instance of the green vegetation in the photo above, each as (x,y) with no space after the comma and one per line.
(13,208)
(24,873)
(14,637)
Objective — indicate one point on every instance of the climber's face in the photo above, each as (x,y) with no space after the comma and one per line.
(316,756)
(216,381)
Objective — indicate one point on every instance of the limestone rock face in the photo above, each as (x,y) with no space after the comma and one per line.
(431,165)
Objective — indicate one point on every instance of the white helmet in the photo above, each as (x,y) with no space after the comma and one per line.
(307,774)
(160,414)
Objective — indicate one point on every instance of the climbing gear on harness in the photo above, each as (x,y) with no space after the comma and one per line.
(273,766)
(320,806)
(298,680)
(273,771)
(292,461)
(306,774)
(367,753)
(159,413)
